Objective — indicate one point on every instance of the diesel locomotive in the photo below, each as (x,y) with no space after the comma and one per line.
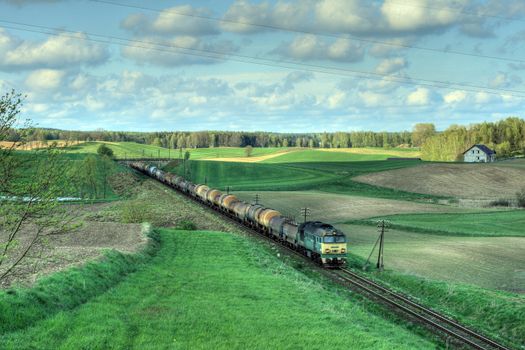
(319,241)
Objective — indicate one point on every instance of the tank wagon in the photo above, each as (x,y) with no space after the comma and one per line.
(317,240)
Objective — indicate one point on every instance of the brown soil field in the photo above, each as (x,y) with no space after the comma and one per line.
(332,208)
(471,181)
(105,226)
(489,262)
(62,251)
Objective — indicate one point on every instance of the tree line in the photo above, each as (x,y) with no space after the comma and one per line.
(205,139)
(506,137)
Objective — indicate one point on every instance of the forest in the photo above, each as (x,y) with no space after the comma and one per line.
(506,136)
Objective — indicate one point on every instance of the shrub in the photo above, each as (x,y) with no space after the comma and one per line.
(500,203)
(520,196)
(104,150)
(186,225)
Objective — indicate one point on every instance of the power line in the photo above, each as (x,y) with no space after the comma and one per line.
(216,55)
(347,37)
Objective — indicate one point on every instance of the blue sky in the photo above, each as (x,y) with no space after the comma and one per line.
(305,66)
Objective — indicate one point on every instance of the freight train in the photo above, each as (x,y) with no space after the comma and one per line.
(319,241)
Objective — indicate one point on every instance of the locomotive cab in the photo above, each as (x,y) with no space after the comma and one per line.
(324,242)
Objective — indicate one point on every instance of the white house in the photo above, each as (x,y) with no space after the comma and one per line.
(479,154)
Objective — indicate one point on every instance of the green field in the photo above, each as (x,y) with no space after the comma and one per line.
(137,150)
(334,177)
(71,165)
(501,223)
(360,154)
(211,290)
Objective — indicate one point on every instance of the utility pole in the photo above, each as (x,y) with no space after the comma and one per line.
(256,198)
(382,228)
(158,153)
(227,189)
(305,212)
(205,180)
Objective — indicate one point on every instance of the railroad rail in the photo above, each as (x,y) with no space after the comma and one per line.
(421,313)
(433,320)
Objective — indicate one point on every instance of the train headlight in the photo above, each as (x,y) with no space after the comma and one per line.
(343,250)
(327,250)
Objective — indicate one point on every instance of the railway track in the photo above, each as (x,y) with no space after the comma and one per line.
(437,323)
(423,314)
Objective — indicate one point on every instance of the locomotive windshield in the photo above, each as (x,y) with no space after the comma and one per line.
(334,239)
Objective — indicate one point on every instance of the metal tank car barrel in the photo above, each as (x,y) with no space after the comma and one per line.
(317,240)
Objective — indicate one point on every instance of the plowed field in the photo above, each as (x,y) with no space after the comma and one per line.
(474,181)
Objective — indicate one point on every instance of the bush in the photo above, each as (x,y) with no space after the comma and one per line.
(104,150)
(186,225)
(520,196)
(136,211)
(500,203)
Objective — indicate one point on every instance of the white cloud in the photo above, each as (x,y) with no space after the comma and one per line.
(310,47)
(178,20)
(180,50)
(63,50)
(455,96)
(371,99)
(336,100)
(419,97)
(45,79)
(391,65)
(416,15)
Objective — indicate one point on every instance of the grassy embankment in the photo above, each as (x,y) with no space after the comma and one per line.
(72,165)
(63,291)
(497,314)
(215,290)
(486,224)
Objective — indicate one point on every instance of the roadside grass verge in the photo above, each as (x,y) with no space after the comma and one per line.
(211,290)
(497,314)
(485,224)
(63,291)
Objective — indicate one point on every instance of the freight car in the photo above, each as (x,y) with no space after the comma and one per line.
(318,241)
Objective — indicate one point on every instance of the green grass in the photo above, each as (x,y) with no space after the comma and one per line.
(252,176)
(210,290)
(69,161)
(309,155)
(137,150)
(487,224)
(497,314)
(63,291)
(334,177)
(488,262)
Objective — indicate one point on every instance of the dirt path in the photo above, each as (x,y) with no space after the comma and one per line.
(252,159)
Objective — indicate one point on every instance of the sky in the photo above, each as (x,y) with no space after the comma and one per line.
(280,66)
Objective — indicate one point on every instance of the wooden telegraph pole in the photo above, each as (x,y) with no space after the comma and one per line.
(256,202)
(305,212)
(382,228)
